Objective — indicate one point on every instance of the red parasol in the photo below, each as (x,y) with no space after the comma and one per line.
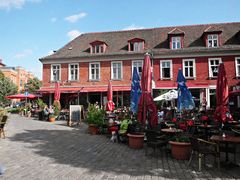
(222,112)
(110,104)
(22,96)
(57,91)
(146,105)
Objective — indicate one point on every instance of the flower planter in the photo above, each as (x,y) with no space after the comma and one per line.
(92,129)
(180,150)
(52,119)
(135,140)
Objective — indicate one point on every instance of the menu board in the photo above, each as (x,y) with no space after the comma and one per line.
(75,114)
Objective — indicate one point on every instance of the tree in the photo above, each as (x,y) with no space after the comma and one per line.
(33,85)
(7,87)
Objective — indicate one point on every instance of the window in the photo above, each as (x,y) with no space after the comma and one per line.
(166,69)
(136,46)
(189,68)
(55,72)
(116,70)
(213,66)
(138,64)
(73,72)
(98,48)
(94,71)
(176,42)
(237,63)
(212,40)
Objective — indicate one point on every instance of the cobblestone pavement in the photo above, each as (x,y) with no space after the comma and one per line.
(42,150)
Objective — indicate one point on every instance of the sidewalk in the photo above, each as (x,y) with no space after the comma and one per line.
(42,150)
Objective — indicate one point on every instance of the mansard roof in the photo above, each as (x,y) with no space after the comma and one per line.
(156,39)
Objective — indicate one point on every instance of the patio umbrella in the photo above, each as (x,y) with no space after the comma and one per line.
(146,107)
(185,99)
(135,91)
(23,96)
(222,95)
(57,91)
(168,96)
(110,104)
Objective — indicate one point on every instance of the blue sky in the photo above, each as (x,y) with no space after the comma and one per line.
(31,29)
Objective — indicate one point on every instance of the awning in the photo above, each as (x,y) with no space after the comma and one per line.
(235,92)
(84,89)
(190,85)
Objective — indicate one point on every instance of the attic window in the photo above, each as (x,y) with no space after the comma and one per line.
(98,47)
(212,40)
(136,45)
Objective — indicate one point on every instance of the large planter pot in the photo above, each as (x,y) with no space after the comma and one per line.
(93,129)
(52,119)
(180,150)
(136,140)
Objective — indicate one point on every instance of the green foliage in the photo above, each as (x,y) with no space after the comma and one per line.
(52,116)
(14,110)
(41,104)
(56,107)
(95,115)
(7,87)
(33,85)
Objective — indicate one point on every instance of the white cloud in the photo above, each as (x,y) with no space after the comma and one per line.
(23,54)
(50,52)
(132,27)
(74,18)
(18,4)
(53,19)
(73,34)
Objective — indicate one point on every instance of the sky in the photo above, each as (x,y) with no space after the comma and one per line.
(32,29)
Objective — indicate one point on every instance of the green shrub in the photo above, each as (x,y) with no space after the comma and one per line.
(95,115)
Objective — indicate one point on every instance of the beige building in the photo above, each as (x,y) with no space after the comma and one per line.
(18,75)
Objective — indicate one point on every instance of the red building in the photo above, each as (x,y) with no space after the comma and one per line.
(85,65)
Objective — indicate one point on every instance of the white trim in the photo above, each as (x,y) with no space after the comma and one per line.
(194,68)
(161,72)
(209,66)
(137,61)
(212,40)
(177,40)
(236,67)
(89,69)
(121,75)
(69,71)
(52,71)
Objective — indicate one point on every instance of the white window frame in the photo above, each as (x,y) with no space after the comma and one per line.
(121,70)
(137,62)
(52,77)
(161,72)
(194,68)
(211,38)
(237,66)
(209,66)
(136,46)
(90,75)
(99,47)
(177,41)
(69,72)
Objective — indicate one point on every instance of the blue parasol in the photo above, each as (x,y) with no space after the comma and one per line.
(185,99)
(135,91)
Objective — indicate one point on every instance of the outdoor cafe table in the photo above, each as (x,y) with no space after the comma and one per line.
(228,139)
(207,128)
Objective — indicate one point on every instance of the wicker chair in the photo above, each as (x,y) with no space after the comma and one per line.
(204,148)
(154,140)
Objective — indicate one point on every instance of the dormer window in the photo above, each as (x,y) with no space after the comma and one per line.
(212,37)
(176,42)
(136,45)
(176,37)
(212,40)
(97,47)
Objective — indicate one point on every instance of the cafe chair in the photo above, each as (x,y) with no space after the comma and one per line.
(204,148)
(154,140)
(2,125)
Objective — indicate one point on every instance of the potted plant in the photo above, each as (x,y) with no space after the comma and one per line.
(41,106)
(52,117)
(95,118)
(136,135)
(180,146)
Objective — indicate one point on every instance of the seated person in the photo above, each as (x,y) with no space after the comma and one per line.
(113,129)
(123,129)
(45,112)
